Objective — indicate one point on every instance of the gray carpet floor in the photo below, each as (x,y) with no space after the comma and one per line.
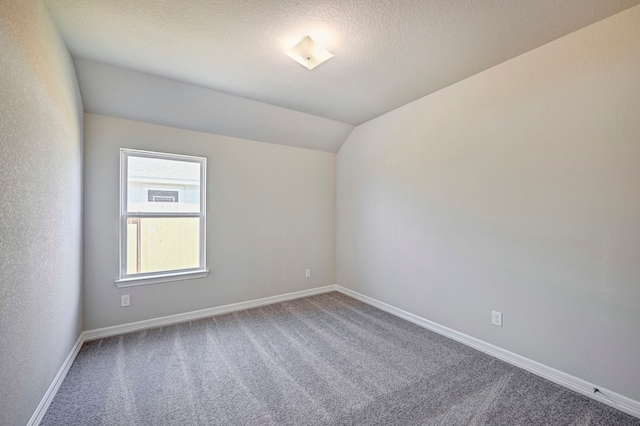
(321,360)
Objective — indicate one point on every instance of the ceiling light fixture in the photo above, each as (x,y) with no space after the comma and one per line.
(308,53)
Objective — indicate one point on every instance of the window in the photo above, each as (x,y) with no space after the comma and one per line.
(162,217)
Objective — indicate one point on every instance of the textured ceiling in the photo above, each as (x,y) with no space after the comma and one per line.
(387,52)
(134,95)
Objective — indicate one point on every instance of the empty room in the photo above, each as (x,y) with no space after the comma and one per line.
(296,212)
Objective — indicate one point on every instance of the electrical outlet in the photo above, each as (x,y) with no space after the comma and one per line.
(125,300)
(496,318)
(307,273)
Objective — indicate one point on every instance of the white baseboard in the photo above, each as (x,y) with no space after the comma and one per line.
(36,418)
(576,384)
(203,313)
(583,387)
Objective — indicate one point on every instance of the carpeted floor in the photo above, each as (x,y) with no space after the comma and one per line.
(322,360)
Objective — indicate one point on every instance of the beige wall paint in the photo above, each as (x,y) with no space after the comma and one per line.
(40,207)
(515,190)
(270,216)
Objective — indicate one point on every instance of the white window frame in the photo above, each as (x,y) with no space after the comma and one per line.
(128,280)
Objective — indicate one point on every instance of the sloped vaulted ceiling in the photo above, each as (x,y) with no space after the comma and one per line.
(387,53)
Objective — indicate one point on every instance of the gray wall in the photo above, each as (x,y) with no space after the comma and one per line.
(515,190)
(270,216)
(40,207)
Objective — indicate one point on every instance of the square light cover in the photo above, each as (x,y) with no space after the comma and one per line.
(308,53)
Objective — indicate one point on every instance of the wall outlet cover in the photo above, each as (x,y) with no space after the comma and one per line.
(496,318)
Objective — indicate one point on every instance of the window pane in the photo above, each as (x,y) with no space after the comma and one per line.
(162,244)
(156,185)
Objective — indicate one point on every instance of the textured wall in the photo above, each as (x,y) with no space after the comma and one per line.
(517,190)
(40,207)
(270,216)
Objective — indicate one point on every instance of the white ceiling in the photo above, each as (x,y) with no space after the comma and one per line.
(133,95)
(387,52)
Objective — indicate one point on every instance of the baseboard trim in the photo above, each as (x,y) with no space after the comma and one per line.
(583,387)
(203,313)
(37,416)
(608,397)
(99,333)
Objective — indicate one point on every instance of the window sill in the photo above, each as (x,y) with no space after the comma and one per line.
(157,279)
